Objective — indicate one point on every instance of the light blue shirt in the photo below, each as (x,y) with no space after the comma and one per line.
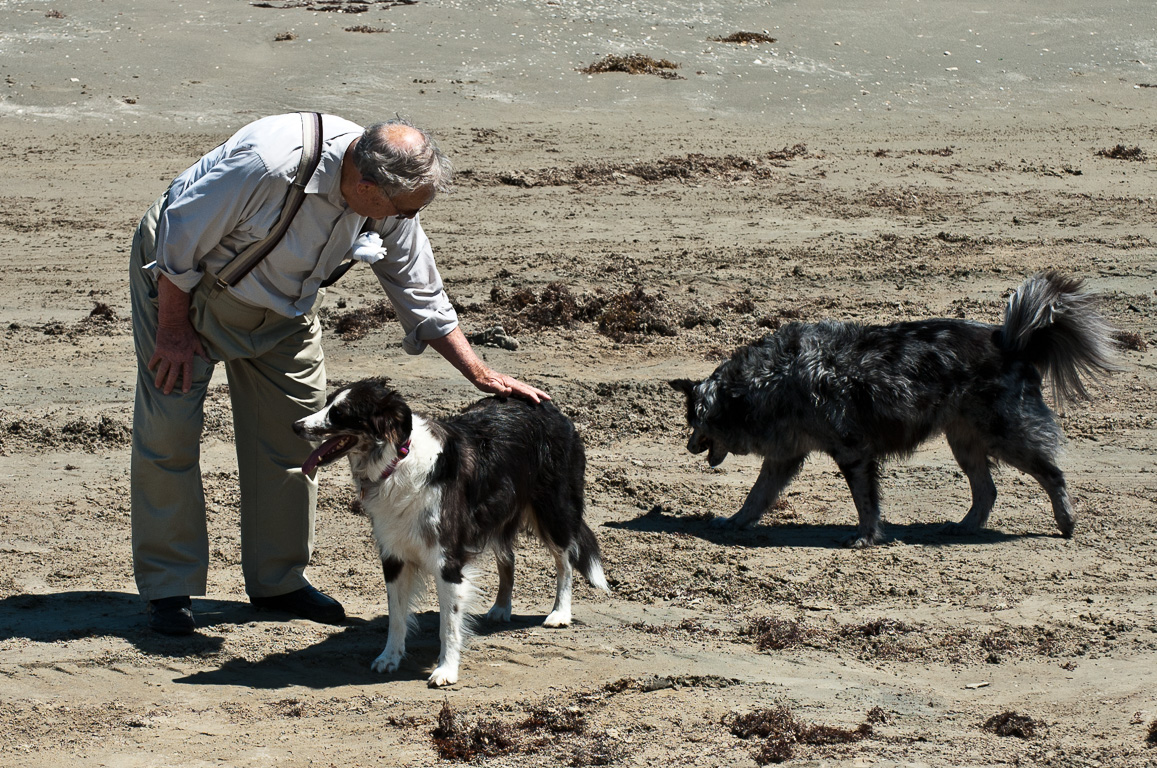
(233,197)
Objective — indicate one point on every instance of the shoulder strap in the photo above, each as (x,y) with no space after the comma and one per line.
(371,225)
(244,262)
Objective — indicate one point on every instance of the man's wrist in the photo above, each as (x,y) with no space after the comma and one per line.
(477,372)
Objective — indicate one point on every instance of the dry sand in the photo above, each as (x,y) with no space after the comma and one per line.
(882,164)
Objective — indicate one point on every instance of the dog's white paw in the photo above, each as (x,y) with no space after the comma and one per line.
(387,662)
(444,675)
(557,619)
(499,613)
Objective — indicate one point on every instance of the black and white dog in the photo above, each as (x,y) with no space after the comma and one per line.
(440,492)
(862,393)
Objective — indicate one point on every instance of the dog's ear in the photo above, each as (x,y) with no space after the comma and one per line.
(686,386)
(405,423)
(392,419)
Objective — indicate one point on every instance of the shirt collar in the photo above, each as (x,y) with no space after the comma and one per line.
(326,180)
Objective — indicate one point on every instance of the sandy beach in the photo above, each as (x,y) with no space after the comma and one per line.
(914,160)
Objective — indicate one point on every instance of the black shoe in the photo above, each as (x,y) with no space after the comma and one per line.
(307,602)
(172,616)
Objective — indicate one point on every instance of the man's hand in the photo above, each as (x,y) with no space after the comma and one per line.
(177,342)
(457,350)
(500,384)
(173,357)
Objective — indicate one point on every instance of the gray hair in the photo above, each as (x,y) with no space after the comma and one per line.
(400,169)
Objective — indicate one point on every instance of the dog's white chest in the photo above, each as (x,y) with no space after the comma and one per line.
(404,508)
(404,520)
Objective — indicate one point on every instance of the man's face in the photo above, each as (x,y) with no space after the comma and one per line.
(373,203)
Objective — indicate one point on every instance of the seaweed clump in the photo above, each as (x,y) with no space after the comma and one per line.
(554,720)
(547,729)
(554,307)
(631,315)
(356,323)
(100,321)
(776,634)
(1012,724)
(1130,340)
(744,38)
(1121,152)
(456,739)
(102,313)
(625,317)
(783,731)
(634,64)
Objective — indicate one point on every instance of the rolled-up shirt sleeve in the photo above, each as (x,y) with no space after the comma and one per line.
(222,202)
(411,281)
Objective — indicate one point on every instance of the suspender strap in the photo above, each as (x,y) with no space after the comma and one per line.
(244,262)
(371,225)
(338,273)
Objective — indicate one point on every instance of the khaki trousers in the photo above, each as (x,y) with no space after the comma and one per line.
(276,374)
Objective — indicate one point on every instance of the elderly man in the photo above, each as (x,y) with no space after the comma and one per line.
(264,327)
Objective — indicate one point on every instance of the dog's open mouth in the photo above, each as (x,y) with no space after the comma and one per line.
(329,451)
(699,443)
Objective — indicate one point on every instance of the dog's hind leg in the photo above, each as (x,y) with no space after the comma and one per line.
(972,457)
(1052,479)
(560,614)
(402,580)
(862,476)
(571,542)
(503,602)
(774,476)
(453,589)
(1029,442)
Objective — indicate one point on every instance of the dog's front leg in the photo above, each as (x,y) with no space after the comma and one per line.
(862,476)
(774,476)
(400,581)
(452,591)
(973,459)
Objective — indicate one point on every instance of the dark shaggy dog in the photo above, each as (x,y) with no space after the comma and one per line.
(863,393)
(440,492)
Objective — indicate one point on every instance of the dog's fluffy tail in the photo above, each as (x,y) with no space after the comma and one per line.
(586,559)
(1050,323)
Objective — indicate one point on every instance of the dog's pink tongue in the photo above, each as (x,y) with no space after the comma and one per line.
(315,458)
